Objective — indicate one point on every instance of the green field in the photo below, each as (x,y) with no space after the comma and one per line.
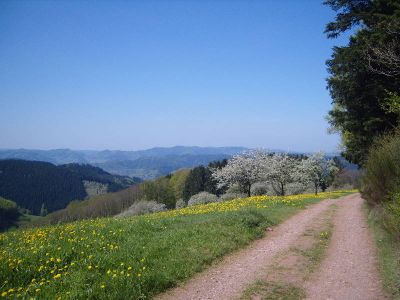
(135,257)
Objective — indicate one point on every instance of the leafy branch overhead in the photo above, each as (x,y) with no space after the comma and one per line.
(364,74)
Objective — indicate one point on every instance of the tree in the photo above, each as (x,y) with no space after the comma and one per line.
(158,190)
(280,170)
(177,182)
(363,75)
(319,171)
(201,179)
(195,182)
(244,170)
(43,210)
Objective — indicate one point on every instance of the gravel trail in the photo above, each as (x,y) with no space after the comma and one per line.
(349,270)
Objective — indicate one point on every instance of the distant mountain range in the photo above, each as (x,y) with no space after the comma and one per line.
(146,164)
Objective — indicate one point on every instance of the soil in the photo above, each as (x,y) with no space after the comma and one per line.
(349,270)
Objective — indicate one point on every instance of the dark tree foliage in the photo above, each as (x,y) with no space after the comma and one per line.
(359,93)
(31,184)
(9,214)
(91,173)
(200,179)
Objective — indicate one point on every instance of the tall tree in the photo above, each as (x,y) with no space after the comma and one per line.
(359,92)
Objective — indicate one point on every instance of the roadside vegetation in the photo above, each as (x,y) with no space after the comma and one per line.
(381,189)
(135,257)
(364,83)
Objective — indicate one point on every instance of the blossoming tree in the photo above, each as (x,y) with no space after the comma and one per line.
(243,169)
(318,170)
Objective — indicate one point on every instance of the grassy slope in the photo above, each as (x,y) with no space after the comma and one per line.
(134,257)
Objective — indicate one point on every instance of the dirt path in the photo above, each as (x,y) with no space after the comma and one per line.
(349,270)
(228,279)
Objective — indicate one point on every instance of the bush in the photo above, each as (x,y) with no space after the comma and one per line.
(381,179)
(392,215)
(295,188)
(252,218)
(9,213)
(234,188)
(180,204)
(202,198)
(142,208)
(231,196)
(260,188)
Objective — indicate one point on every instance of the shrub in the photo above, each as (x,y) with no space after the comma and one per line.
(234,188)
(231,196)
(142,208)
(202,198)
(295,188)
(180,204)
(252,218)
(381,179)
(9,213)
(260,188)
(392,215)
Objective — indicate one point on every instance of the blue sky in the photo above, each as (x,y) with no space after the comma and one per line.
(137,74)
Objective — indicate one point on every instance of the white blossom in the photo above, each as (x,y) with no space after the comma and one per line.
(244,170)
(279,170)
(318,170)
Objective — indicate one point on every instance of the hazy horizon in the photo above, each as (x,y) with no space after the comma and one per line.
(271,149)
(144,74)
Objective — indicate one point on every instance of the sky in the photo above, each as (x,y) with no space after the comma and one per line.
(132,75)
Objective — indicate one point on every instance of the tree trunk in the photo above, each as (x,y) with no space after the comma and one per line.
(282,190)
(316,188)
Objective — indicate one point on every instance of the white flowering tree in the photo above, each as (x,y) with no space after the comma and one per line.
(280,170)
(243,170)
(318,170)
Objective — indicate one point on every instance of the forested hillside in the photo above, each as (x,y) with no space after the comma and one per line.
(31,184)
(40,185)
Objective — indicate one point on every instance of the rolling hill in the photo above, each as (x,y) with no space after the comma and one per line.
(146,164)
(32,184)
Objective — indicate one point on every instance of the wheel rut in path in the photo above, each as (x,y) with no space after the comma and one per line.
(228,279)
(349,270)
